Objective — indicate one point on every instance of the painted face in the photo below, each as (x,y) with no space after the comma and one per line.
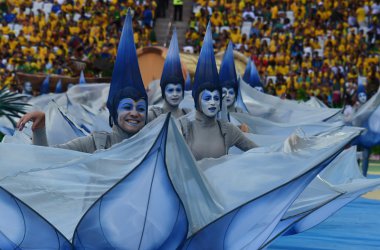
(173,94)
(131,115)
(210,102)
(260,89)
(229,95)
(28,87)
(362,97)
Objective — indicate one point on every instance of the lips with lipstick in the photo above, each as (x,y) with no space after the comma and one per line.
(212,109)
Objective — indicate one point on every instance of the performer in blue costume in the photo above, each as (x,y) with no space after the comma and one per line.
(127,103)
(205,135)
(228,80)
(172,84)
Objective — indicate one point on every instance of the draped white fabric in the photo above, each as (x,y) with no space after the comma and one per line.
(62,184)
(282,111)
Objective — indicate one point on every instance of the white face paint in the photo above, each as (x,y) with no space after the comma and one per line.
(229,95)
(131,115)
(260,89)
(362,97)
(173,94)
(28,88)
(210,102)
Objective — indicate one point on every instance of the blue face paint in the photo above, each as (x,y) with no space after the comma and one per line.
(173,94)
(229,95)
(210,102)
(131,115)
(129,105)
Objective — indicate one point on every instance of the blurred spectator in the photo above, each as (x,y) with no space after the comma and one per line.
(43,40)
(310,48)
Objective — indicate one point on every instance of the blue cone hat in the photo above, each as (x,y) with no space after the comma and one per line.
(45,86)
(58,87)
(172,72)
(126,79)
(82,80)
(188,82)
(254,78)
(247,71)
(206,73)
(227,72)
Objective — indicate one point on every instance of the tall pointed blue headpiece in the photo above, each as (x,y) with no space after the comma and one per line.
(253,78)
(188,82)
(247,71)
(126,77)
(58,87)
(206,73)
(45,86)
(172,72)
(82,79)
(227,72)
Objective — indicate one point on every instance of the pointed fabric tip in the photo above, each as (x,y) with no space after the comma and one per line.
(45,86)
(126,71)
(153,219)
(172,72)
(361,88)
(227,72)
(82,80)
(206,71)
(58,87)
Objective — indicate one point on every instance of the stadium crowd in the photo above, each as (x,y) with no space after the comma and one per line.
(301,48)
(45,36)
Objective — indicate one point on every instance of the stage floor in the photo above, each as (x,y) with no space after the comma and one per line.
(354,227)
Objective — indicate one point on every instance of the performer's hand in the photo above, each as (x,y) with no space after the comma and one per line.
(244,128)
(37,117)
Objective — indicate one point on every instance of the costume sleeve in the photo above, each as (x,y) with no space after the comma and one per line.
(153,113)
(84,144)
(238,139)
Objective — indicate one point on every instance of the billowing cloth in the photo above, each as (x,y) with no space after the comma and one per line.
(221,197)
(315,102)
(78,112)
(283,111)
(368,116)
(338,184)
(344,230)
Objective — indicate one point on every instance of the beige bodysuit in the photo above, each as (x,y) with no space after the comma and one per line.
(86,144)
(208,137)
(155,111)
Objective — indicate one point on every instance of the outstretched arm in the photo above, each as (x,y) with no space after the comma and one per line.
(239,139)
(83,144)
